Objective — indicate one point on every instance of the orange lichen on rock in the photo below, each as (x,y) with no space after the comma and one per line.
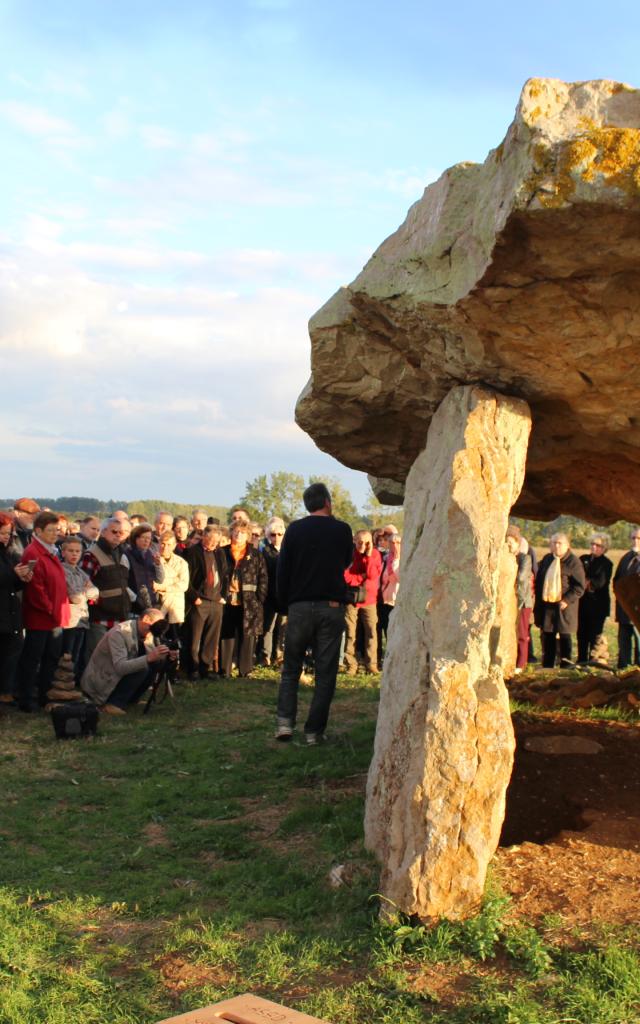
(617,158)
(613,154)
(534,88)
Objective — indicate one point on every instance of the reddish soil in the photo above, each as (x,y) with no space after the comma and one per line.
(571,839)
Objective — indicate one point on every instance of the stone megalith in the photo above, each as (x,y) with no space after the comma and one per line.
(512,286)
(444,741)
(522,273)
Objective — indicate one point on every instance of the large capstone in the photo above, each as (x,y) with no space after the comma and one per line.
(444,741)
(522,274)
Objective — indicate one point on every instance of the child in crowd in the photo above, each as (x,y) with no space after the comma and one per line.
(80,591)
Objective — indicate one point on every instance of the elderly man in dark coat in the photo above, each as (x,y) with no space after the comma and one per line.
(206,593)
(560,584)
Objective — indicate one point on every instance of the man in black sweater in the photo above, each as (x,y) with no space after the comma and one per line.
(311,591)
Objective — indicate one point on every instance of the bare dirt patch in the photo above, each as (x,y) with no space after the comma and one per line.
(179,974)
(156,834)
(571,838)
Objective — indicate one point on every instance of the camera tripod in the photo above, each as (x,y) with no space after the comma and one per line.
(161,684)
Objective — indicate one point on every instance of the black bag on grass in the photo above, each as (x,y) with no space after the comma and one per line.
(75,719)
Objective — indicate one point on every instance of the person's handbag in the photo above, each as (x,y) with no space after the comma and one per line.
(75,719)
(355,595)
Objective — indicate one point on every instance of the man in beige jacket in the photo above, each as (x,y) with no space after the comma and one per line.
(123,663)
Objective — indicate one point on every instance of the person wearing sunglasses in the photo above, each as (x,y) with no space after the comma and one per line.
(595,603)
(272,640)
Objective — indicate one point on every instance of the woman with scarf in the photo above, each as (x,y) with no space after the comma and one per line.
(242,616)
(560,584)
(145,568)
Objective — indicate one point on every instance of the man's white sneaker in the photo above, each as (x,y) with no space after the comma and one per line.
(312,739)
(284,733)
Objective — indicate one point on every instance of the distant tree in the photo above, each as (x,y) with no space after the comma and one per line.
(148,507)
(539,533)
(279,494)
(377,514)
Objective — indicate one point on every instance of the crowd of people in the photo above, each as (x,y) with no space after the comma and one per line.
(66,585)
(117,596)
(566,596)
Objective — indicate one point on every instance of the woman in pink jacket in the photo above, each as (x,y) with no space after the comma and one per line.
(45,613)
(364,571)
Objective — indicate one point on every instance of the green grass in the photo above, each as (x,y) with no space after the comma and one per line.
(184,857)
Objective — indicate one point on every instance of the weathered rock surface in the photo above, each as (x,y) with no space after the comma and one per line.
(523,274)
(444,740)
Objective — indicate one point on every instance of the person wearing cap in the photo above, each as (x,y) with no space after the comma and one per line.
(524,594)
(24,511)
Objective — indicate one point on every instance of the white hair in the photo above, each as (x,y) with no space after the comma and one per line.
(601,538)
(109,522)
(274,521)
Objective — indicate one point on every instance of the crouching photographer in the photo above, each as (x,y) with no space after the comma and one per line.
(126,661)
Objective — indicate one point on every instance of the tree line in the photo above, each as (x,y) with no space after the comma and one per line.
(280,493)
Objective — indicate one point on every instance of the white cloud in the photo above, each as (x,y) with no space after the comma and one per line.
(134,226)
(117,125)
(409,185)
(156,137)
(129,257)
(51,310)
(36,121)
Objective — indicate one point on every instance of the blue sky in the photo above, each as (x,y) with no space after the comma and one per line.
(184,184)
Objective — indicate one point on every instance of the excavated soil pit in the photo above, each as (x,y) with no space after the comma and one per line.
(550,793)
(571,839)
(541,799)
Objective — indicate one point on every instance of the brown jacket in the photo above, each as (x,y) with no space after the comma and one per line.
(254,584)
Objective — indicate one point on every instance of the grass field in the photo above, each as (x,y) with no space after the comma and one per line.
(184,857)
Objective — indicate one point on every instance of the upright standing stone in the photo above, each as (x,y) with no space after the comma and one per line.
(444,741)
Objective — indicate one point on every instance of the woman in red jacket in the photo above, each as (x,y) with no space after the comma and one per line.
(364,570)
(45,612)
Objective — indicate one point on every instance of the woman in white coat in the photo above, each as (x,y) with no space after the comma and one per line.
(174,585)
